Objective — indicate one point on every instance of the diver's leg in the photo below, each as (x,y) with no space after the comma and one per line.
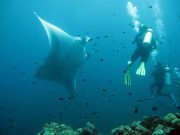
(127,76)
(135,55)
(141,71)
(145,57)
(159,90)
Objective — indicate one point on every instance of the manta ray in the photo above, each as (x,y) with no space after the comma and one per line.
(66,55)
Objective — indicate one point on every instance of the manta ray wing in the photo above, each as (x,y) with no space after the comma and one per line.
(66,55)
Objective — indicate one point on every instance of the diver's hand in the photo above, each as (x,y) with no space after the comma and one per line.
(127,77)
(141,71)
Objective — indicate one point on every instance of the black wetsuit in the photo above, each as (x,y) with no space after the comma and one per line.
(141,50)
(159,81)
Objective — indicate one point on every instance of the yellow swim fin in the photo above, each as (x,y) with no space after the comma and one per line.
(127,77)
(141,71)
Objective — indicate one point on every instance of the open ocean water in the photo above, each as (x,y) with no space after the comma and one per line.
(26,103)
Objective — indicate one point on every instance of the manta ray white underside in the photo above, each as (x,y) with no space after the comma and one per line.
(66,55)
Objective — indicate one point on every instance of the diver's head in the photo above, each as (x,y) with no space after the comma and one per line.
(167,68)
(143,28)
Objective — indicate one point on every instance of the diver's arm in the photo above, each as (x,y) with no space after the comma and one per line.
(154,43)
(135,39)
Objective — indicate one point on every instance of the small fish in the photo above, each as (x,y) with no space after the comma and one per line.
(114,14)
(135,110)
(34,82)
(150,6)
(112,95)
(109,81)
(94,113)
(154,108)
(11,120)
(130,94)
(104,90)
(61,98)
(91,39)
(71,97)
(124,46)
(101,60)
(95,44)
(106,36)
(84,80)
(10,126)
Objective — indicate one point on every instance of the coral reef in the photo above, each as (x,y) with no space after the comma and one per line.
(56,129)
(62,129)
(150,125)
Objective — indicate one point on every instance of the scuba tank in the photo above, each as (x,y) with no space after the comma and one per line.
(167,76)
(176,76)
(148,37)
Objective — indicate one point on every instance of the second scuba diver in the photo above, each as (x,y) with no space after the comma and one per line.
(146,43)
(162,78)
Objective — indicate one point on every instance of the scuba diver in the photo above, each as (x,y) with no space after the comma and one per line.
(162,78)
(158,75)
(176,76)
(146,43)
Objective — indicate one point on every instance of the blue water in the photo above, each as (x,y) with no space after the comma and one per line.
(26,103)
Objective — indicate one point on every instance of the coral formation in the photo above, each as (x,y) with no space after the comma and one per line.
(56,129)
(150,125)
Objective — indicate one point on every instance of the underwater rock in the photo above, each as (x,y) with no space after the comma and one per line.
(169,118)
(88,130)
(56,129)
(163,128)
(150,122)
(158,132)
(177,115)
(139,128)
(122,130)
(176,123)
(150,125)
